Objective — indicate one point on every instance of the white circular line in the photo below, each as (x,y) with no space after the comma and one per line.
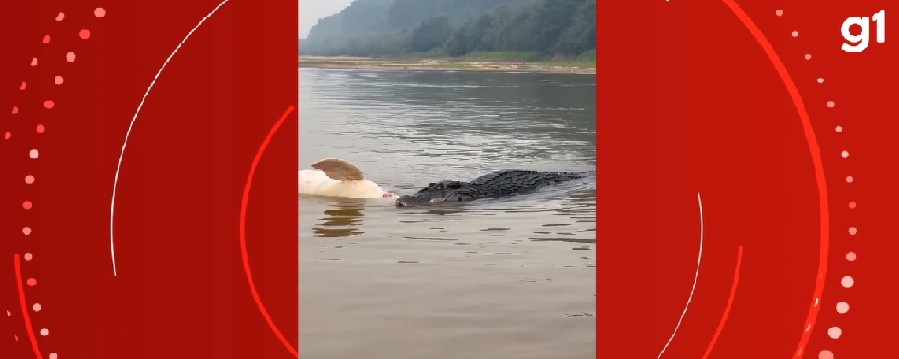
(131,125)
(695,278)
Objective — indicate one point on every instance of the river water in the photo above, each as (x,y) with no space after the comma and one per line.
(491,279)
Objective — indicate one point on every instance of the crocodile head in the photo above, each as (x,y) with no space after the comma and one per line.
(440,192)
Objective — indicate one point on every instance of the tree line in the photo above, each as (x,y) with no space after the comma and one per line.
(380,28)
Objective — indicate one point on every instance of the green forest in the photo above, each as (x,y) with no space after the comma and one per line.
(516,30)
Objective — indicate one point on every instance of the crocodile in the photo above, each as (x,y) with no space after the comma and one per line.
(492,185)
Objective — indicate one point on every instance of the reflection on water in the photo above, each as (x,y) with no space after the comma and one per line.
(500,278)
(343,218)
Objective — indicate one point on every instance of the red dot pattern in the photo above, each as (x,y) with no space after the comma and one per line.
(29,113)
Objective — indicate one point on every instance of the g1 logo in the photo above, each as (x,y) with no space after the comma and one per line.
(858,43)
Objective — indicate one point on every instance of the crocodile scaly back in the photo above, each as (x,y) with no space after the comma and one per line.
(510,182)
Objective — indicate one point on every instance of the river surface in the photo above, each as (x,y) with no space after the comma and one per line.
(491,279)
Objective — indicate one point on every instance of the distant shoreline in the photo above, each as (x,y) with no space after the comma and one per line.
(445,64)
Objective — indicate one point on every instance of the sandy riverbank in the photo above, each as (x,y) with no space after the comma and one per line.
(445,65)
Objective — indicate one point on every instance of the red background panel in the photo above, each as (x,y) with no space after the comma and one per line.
(181,290)
(690,103)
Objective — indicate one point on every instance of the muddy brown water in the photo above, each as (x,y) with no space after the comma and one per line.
(492,279)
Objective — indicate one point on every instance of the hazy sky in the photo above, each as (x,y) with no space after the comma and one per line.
(312,10)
